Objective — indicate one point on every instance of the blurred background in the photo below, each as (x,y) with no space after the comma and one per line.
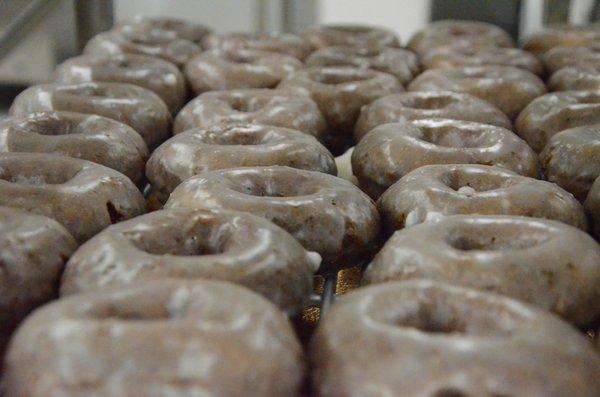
(36,35)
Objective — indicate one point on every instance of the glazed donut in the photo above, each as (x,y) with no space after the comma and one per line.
(418,105)
(157,75)
(135,106)
(555,112)
(167,26)
(179,338)
(576,78)
(350,35)
(466,33)
(557,266)
(340,92)
(227,70)
(571,159)
(192,244)
(400,63)
(34,251)
(562,57)
(592,206)
(325,214)
(82,196)
(507,87)
(433,191)
(155,43)
(424,338)
(282,43)
(243,145)
(278,108)
(460,56)
(390,151)
(85,136)
(562,35)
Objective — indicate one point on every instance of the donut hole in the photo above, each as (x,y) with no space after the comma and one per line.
(449,392)
(480,238)
(194,244)
(130,311)
(270,186)
(235,136)
(49,125)
(451,137)
(431,102)
(339,76)
(246,105)
(351,29)
(459,180)
(36,177)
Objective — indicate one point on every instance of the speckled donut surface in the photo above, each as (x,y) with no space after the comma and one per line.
(417,105)
(434,191)
(507,87)
(562,35)
(82,196)
(159,44)
(350,35)
(88,137)
(192,244)
(227,70)
(566,56)
(584,77)
(551,113)
(469,343)
(400,63)
(325,214)
(155,74)
(390,151)
(244,145)
(282,43)
(538,261)
(340,92)
(139,108)
(571,159)
(179,28)
(34,250)
(465,33)
(465,55)
(278,108)
(176,337)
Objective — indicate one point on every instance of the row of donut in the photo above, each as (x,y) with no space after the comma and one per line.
(326,215)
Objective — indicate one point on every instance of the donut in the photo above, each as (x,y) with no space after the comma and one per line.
(507,87)
(576,78)
(400,63)
(464,55)
(350,35)
(34,251)
(565,56)
(135,106)
(155,43)
(227,70)
(425,338)
(157,75)
(282,43)
(82,196)
(555,112)
(325,214)
(340,92)
(571,159)
(557,266)
(243,145)
(85,136)
(278,108)
(562,35)
(179,28)
(452,32)
(417,105)
(390,151)
(592,206)
(172,337)
(433,191)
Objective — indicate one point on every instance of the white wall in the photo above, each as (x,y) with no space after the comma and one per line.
(403,16)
